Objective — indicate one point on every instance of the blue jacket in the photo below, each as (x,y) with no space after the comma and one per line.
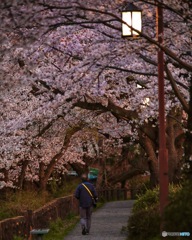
(83,195)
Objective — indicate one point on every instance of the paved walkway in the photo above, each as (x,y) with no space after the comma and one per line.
(107,222)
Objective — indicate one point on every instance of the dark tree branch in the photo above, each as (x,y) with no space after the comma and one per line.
(129,71)
(176,90)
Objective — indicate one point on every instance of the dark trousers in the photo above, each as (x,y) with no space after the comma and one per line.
(85,215)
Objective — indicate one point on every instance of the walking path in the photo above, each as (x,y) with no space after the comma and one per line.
(107,222)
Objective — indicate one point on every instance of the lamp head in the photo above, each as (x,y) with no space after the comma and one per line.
(131,20)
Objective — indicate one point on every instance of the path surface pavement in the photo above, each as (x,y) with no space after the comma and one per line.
(107,222)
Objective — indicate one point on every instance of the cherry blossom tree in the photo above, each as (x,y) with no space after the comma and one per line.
(57,57)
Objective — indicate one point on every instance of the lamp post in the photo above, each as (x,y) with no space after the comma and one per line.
(163,155)
(130,14)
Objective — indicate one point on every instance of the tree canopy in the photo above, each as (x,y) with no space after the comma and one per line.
(58,58)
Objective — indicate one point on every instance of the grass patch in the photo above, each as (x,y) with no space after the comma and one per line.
(60,228)
(17,238)
(16,203)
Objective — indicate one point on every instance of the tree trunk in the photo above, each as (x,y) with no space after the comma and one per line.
(21,177)
(173,131)
(45,174)
(188,139)
(42,181)
(152,162)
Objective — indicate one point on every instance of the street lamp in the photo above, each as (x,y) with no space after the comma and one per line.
(131,19)
(132,16)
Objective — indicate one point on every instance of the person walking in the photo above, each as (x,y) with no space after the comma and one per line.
(86,194)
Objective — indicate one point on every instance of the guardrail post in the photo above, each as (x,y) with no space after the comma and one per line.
(29,223)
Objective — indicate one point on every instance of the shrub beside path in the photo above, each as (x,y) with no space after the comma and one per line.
(107,222)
